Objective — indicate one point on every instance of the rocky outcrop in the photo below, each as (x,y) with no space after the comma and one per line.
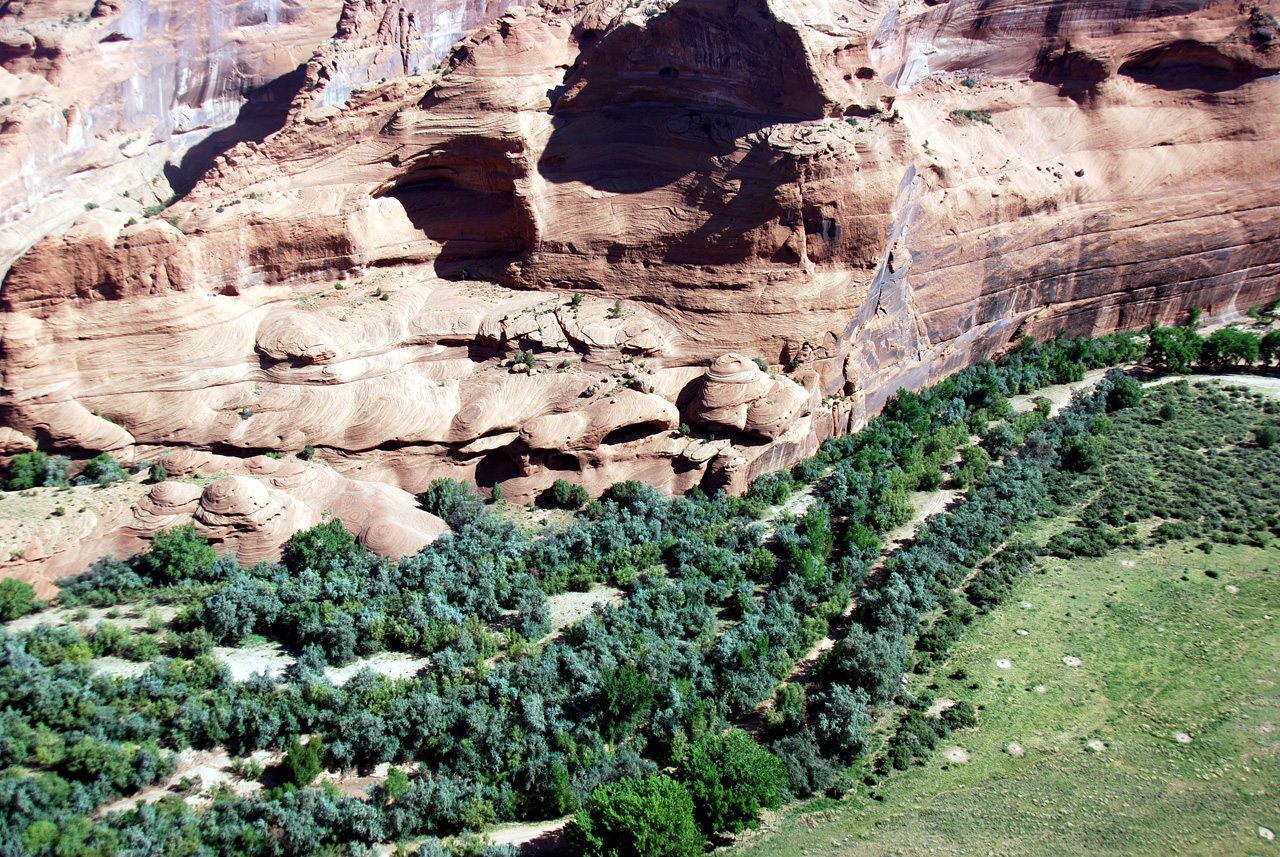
(737,394)
(247,507)
(585,230)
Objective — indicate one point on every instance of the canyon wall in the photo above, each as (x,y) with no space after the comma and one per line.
(680,241)
(120,103)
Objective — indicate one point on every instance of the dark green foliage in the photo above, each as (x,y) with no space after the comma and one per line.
(1265,436)
(1000,439)
(566,495)
(1125,393)
(179,553)
(313,548)
(157,473)
(626,694)
(960,716)
(1175,348)
(456,502)
(1080,452)
(872,661)
(1227,347)
(731,778)
(840,720)
(1269,347)
(649,817)
(787,713)
(35,470)
(962,116)
(102,470)
(303,762)
(532,732)
(308,452)
(16,598)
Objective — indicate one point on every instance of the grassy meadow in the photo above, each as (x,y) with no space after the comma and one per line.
(1162,740)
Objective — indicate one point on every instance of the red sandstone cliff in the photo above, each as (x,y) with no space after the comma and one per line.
(866,195)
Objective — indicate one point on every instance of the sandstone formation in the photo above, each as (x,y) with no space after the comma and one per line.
(738,394)
(245,506)
(584,230)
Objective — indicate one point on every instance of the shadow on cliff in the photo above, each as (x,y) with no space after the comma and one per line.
(1191,65)
(678,99)
(265,111)
(647,105)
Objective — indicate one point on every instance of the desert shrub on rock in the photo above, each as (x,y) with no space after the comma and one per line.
(36,470)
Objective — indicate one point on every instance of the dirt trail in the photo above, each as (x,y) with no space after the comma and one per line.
(541,838)
(1059,395)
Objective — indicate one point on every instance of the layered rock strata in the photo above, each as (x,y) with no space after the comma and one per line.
(563,255)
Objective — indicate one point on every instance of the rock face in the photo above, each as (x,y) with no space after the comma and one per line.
(584,231)
(124,105)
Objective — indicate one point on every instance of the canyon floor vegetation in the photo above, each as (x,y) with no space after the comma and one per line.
(673,715)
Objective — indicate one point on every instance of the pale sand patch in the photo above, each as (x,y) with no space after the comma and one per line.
(389,664)
(1004,663)
(1041,689)
(1072,661)
(1026,605)
(1015,749)
(119,667)
(1267,833)
(1022,632)
(1267,728)
(1232,589)
(269,659)
(1096,746)
(1182,737)
(1128,563)
(958,755)
(570,607)
(939,706)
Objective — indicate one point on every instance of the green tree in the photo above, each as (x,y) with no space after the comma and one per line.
(456,502)
(16,597)
(649,817)
(627,694)
(731,778)
(309,548)
(1125,392)
(397,782)
(1080,452)
(1269,347)
(1175,348)
(1227,347)
(566,495)
(35,470)
(102,470)
(1265,437)
(302,762)
(179,553)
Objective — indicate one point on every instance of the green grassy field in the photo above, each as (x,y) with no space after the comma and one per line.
(1164,649)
